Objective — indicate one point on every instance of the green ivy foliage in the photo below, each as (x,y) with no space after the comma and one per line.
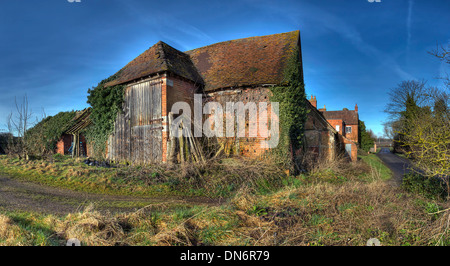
(42,138)
(106,102)
(291,98)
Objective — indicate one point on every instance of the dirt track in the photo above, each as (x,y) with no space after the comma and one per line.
(25,196)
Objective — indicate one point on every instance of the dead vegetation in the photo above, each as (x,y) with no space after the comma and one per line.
(8,232)
(92,228)
(337,203)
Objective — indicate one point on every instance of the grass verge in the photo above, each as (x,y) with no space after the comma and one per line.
(378,168)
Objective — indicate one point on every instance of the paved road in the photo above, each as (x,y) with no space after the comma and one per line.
(398,165)
(26,196)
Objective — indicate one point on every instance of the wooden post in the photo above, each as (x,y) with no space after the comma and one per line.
(181,141)
(74,144)
(78,144)
(171,143)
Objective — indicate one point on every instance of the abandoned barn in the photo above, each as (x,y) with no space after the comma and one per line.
(242,70)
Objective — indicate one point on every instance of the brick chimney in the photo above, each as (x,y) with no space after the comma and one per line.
(313,101)
(356,107)
(324,109)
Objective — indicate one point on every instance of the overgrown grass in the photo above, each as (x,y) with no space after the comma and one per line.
(28,229)
(338,203)
(378,168)
(431,188)
(216,179)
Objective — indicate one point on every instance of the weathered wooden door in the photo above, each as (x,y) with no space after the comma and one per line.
(138,129)
(144,101)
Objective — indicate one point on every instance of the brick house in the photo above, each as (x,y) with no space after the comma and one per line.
(345,122)
(240,70)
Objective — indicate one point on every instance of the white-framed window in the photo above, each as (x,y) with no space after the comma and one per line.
(348,129)
(337,128)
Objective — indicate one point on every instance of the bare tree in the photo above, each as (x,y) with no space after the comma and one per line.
(18,124)
(443,54)
(388,131)
(414,90)
(420,123)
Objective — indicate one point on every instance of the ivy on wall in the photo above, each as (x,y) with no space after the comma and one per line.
(291,98)
(42,138)
(106,102)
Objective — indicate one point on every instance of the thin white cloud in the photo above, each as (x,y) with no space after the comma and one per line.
(409,25)
(349,32)
(331,22)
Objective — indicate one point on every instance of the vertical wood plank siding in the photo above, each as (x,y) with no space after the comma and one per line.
(137,136)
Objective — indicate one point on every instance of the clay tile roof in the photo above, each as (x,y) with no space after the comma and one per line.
(249,61)
(161,57)
(349,117)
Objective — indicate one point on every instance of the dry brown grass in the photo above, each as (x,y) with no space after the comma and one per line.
(337,203)
(8,231)
(92,228)
(319,213)
(348,214)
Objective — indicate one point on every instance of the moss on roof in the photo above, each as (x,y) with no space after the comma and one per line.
(249,61)
(241,62)
(159,58)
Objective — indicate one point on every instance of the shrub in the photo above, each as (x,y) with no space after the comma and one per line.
(42,138)
(431,188)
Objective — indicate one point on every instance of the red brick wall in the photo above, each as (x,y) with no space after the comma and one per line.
(181,91)
(337,122)
(349,138)
(63,144)
(174,90)
(247,146)
(354,153)
(164,111)
(354,134)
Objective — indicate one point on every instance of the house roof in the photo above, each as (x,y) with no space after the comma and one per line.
(350,117)
(249,61)
(242,62)
(161,57)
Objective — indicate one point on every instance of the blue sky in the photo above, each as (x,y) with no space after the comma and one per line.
(354,51)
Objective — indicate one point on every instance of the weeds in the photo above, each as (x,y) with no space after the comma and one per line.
(339,203)
(219,178)
(431,188)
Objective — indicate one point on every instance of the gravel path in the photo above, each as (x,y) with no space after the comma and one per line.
(19,195)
